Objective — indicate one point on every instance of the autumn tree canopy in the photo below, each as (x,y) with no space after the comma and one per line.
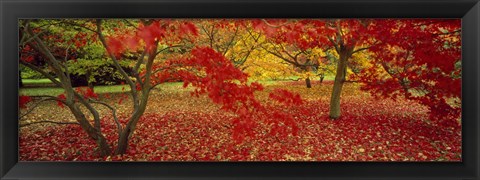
(415,58)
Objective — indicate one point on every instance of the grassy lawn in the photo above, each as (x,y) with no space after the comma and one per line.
(55,91)
(313,78)
(37,81)
(293,78)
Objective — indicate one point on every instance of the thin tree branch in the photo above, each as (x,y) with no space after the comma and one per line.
(41,47)
(361,49)
(365,48)
(349,81)
(231,42)
(51,98)
(22,42)
(78,25)
(334,44)
(447,33)
(65,65)
(166,80)
(130,23)
(114,114)
(35,68)
(132,85)
(139,61)
(161,50)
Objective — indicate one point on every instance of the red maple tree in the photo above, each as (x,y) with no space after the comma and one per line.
(418,58)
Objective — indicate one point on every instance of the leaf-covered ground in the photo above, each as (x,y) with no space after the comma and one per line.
(178,127)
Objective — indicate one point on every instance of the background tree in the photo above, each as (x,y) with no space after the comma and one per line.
(346,36)
(233,38)
(305,61)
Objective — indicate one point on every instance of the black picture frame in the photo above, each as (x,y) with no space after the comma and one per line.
(467,10)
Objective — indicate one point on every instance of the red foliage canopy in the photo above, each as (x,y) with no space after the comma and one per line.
(422,60)
(212,74)
(168,31)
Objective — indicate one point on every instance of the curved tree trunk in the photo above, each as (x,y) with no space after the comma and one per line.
(308,83)
(124,137)
(71,96)
(126,134)
(138,110)
(93,133)
(123,142)
(335,111)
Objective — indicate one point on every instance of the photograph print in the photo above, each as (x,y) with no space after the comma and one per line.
(323,90)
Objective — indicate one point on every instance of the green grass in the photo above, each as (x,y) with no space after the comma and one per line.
(55,91)
(329,78)
(36,81)
(293,78)
(315,78)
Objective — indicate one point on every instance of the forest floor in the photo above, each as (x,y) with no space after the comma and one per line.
(179,127)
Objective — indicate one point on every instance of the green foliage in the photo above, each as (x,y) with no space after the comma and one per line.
(93,51)
(27,73)
(97,71)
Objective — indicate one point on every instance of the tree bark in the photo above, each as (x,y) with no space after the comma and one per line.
(335,111)
(125,135)
(131,125)
(321,78)
(65,83)
(123,142)
(139,110)
(308,83)
(103,147)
